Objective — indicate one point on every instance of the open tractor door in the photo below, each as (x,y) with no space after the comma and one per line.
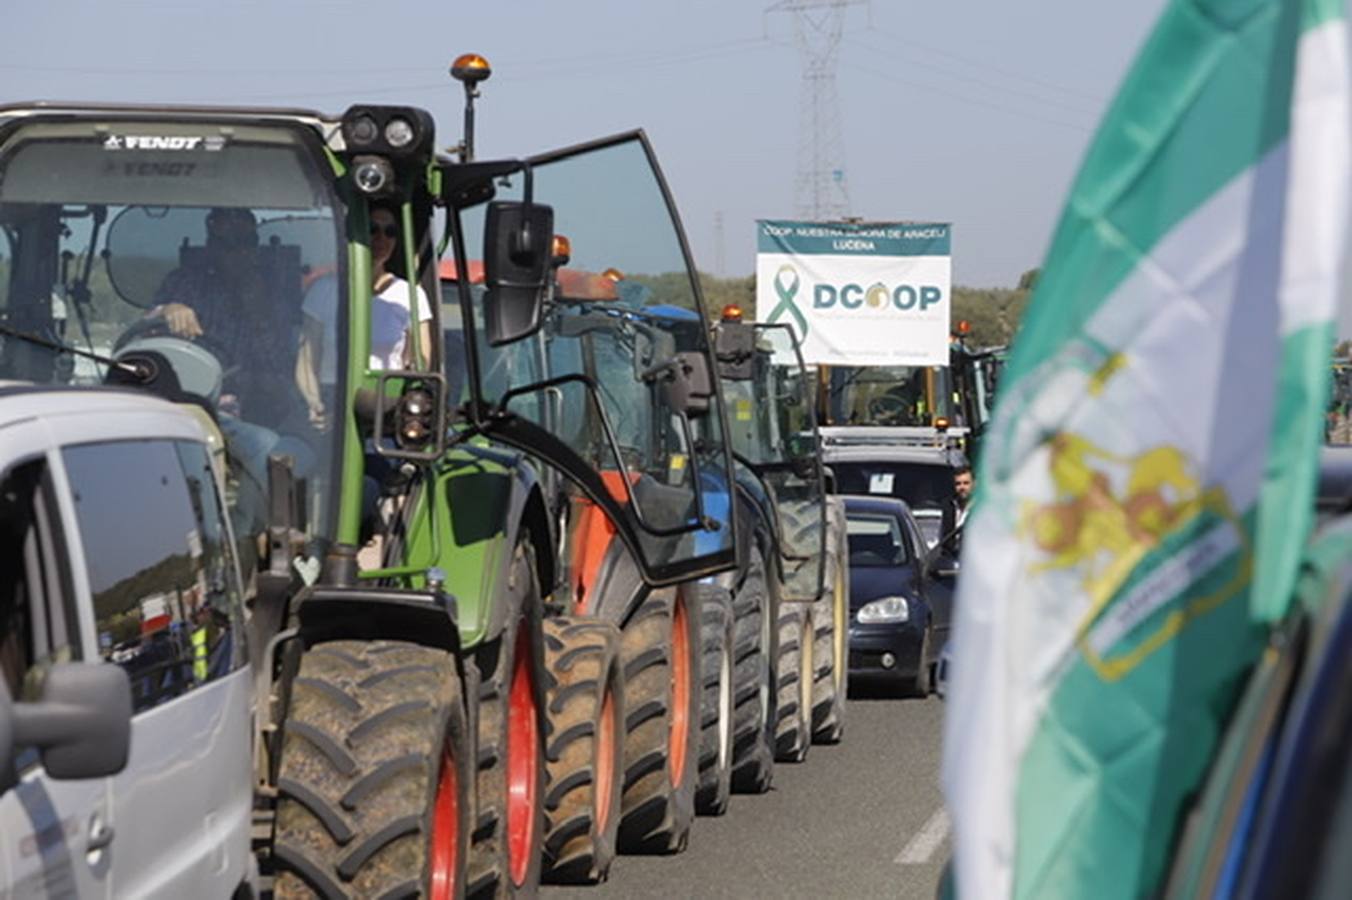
(275,271)
(611,384)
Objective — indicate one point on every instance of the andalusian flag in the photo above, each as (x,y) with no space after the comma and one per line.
(1146,489)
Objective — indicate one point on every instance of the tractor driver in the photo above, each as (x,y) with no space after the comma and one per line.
(224,296)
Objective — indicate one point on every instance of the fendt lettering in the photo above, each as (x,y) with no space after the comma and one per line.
(151,142)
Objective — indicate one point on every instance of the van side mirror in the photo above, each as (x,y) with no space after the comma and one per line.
(518,246)
(81,724)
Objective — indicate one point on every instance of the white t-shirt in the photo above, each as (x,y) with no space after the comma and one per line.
(389,323)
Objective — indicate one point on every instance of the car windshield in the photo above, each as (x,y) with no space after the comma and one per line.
(925,485)
(195,246)
(875,540)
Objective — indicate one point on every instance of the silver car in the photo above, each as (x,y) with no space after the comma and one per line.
(125,689)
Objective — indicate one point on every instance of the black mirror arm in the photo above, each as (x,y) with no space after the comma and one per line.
(688,433)
(47,724)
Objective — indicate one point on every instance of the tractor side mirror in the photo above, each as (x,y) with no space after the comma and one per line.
(518,247)
(689,386)
(735,346)
(82,723)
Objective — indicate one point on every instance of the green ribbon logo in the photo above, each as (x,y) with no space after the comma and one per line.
(786,290)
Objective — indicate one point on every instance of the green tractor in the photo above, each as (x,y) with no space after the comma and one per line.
(276,271)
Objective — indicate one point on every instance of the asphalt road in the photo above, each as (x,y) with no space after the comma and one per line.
(861,819)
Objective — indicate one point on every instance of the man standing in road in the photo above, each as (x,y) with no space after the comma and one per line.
(963,484)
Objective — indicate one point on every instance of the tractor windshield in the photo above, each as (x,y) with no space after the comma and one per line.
(620,374)
(888,395)
(189,250)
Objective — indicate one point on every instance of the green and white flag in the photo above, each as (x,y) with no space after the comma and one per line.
(1146,487)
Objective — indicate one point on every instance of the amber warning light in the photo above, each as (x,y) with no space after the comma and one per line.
(732,313)
(471,68)
(562,250)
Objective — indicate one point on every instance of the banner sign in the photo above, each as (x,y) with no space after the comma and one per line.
(867,294)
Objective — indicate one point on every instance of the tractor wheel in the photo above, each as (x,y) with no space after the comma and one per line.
(793,719)
(660,649)
(754,691)
(585,759)
(715,743)
(831,618)
(374,775)
(506,847)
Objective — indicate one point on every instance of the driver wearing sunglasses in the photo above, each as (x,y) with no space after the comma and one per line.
(390,319)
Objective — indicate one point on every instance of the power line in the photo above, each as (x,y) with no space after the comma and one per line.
(1098,101)
(982,82)
(961,98)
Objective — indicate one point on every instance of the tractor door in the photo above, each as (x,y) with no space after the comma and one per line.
(628,406)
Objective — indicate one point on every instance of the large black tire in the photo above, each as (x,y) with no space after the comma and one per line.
(793,718)
(716,716)
(507,844)
(585,757)
(660,649)
(831,617)
(755,649)
(374,775)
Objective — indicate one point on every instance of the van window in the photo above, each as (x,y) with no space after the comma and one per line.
(161,571)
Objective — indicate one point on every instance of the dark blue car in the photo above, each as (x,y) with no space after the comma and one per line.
(901,595)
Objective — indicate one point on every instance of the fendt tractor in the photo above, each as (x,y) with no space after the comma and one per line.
(798,530)
(413,678)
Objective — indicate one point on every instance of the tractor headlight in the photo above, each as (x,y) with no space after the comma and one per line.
(373,175)
(363,130)
(415,418)
(399,133)
(888,609)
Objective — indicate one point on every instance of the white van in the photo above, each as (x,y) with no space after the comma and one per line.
(124,681)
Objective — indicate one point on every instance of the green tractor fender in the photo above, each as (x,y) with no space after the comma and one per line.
(489,499)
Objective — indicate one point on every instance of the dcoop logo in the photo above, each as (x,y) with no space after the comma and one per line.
(853,296)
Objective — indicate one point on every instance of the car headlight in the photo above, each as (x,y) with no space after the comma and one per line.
(888,609)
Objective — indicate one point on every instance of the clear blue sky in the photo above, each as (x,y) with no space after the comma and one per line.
(975,112)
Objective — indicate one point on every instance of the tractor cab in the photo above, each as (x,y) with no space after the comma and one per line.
(172,251)
(773,434)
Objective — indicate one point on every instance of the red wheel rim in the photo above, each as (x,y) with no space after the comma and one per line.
(523,740)
(445,845)
(605,760)
(680,689)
